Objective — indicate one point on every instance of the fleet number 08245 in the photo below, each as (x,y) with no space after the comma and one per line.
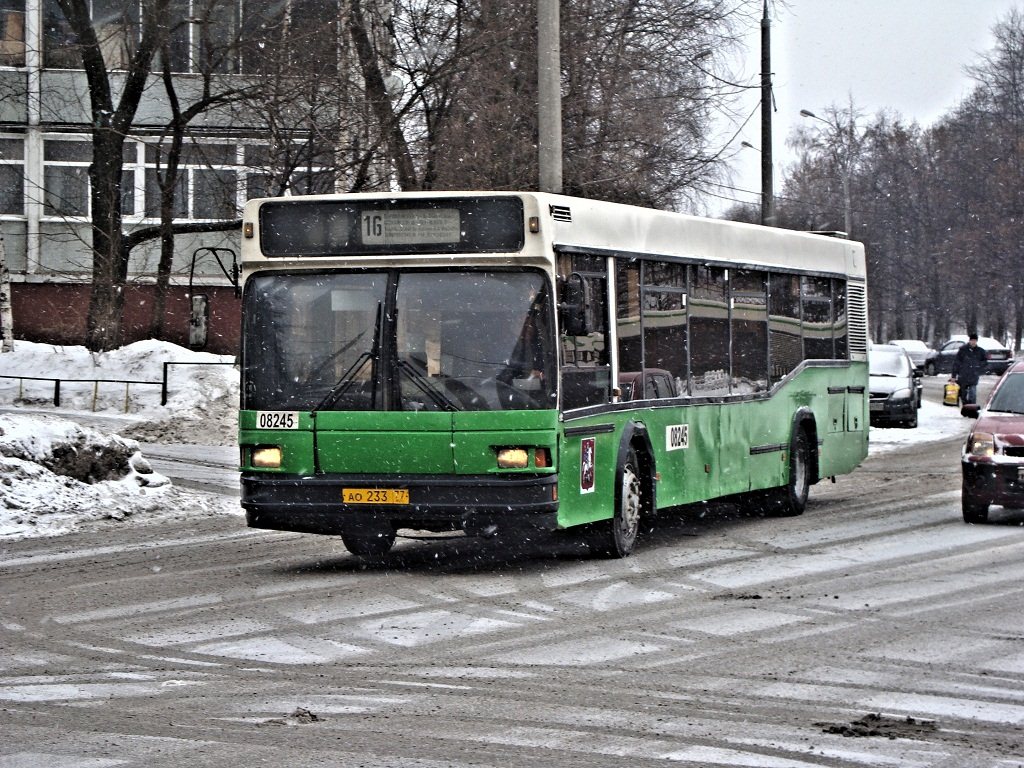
(277,420)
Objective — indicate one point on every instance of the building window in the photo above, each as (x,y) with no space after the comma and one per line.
(306,174)
(207,182)
(12,176)
(12,33)
(66,177)
(117,28)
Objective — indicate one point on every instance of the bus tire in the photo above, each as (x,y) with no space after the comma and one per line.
(791,499)
(617,537)
(369,544)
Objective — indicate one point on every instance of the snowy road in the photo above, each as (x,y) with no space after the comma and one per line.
(875,630)
(210,468)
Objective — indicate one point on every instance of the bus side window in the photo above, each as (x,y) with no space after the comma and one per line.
(586,367)
(665,328)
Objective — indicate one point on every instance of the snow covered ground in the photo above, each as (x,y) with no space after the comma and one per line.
(59,471)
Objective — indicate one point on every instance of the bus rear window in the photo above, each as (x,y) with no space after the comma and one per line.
(298,227)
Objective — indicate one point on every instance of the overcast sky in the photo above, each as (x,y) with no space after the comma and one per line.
(904,55)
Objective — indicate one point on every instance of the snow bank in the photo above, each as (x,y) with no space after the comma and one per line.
(202,405)
(57,475)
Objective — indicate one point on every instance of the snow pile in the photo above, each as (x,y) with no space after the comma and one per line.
(56,476)
(202,404)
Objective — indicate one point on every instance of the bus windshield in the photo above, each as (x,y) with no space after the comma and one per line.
(390,340)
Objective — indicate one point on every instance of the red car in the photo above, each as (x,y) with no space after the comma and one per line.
(993,456)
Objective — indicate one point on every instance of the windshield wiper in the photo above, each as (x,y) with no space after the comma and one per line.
(439,398)
(348,377)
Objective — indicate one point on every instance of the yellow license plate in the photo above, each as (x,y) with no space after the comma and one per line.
(375,495)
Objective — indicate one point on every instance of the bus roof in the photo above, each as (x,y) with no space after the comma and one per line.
(572,224)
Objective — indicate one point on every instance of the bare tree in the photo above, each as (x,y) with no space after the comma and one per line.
(6,315)
(112,115)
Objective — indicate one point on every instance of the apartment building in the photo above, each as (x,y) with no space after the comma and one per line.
(229,156)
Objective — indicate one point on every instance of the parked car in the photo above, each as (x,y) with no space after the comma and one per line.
(993,455)
(894,384)
(999,357)
(920,353)
(659,384)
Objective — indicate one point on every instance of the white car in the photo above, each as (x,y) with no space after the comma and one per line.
(919,351)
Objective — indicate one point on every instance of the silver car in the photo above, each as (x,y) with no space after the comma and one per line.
(920,353)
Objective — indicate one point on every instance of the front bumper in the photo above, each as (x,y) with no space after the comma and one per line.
(891,410)
(994,483)
(472,503)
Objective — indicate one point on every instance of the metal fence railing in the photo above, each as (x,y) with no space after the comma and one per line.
(128,383)
(95,388)
(167,366)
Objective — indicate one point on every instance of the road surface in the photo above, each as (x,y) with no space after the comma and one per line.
(875,630)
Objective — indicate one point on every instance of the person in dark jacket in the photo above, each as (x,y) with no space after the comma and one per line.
(968,366)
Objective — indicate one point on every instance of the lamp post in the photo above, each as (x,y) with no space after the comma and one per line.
(844,138)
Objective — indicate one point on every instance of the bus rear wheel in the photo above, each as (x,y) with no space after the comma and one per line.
(617,537)
(791,499)
(373,544)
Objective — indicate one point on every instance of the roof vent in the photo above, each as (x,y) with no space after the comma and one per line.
(560,213)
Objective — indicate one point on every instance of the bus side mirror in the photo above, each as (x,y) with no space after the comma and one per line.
(576,307)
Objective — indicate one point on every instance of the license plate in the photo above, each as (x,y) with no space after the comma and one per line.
(375,495)
(877,406)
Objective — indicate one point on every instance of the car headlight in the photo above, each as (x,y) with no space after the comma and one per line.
(980,444)
(901,394)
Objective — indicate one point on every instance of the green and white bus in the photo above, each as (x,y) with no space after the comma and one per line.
(500,362)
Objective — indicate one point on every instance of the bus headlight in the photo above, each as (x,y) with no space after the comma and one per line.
(981,444)
(266,456)
(513,458)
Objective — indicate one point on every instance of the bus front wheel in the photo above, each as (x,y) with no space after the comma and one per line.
(373,544)
(617,537)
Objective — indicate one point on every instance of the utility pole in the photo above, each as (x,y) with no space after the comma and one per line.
(549,96)
(767,181)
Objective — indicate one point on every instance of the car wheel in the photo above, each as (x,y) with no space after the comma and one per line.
(369,544)
(617,537)
(975,509)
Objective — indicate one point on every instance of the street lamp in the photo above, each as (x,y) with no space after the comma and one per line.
(844,160)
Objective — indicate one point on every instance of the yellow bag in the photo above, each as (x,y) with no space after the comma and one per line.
(951,394)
